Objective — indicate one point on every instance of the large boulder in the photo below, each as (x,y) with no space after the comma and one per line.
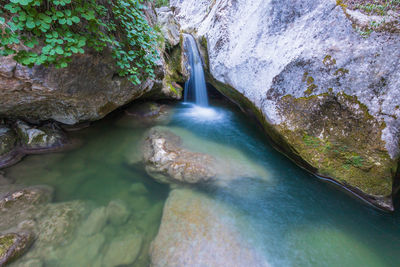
(177,156)
(168,162)
(197,230)
(88,89)
(324,91)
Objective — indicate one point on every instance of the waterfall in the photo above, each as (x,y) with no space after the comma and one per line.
(195,87)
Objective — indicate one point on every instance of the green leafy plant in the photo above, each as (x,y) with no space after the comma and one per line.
(50,32)
(379,7)
(160,3)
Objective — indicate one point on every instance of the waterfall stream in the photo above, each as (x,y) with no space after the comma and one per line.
(195,87)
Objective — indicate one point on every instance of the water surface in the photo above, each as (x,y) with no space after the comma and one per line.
(287,214)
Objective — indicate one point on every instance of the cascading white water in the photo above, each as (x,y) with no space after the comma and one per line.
(195,87)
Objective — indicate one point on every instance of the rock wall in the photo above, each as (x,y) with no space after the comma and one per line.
(328,96)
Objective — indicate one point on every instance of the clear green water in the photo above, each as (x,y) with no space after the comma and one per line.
(287,214)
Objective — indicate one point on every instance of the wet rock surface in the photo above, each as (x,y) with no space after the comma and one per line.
(195,231)
(170,157)
(304,69)
(40,138)
(168,162)
(8,146)
(13,245)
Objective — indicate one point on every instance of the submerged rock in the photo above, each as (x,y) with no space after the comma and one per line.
(58,222)
(168,162)
(83,251)
(13,245)
(138,189)
(123,250)
(325,92)
(198,231)
(117,212)
(95,222)
(22,198)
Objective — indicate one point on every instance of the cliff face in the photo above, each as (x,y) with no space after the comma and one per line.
(326,94)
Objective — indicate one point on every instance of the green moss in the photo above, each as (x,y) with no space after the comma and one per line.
(346,148)
(310,89)
(6,242)
(341,72)
(341,4)
(329,61)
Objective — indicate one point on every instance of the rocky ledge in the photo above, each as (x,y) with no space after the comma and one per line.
(326,93)
(20,138)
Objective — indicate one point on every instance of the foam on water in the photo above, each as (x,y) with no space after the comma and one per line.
(202,114)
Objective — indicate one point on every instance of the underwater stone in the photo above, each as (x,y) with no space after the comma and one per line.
(117,212)
(26,197)
(58,222)
(195,231)
(95,222)
(138,189)
(123,250)
(83,250)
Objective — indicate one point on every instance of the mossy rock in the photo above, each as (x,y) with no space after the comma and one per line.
(40,138)
(337,135)
(333,136)
(13,245)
